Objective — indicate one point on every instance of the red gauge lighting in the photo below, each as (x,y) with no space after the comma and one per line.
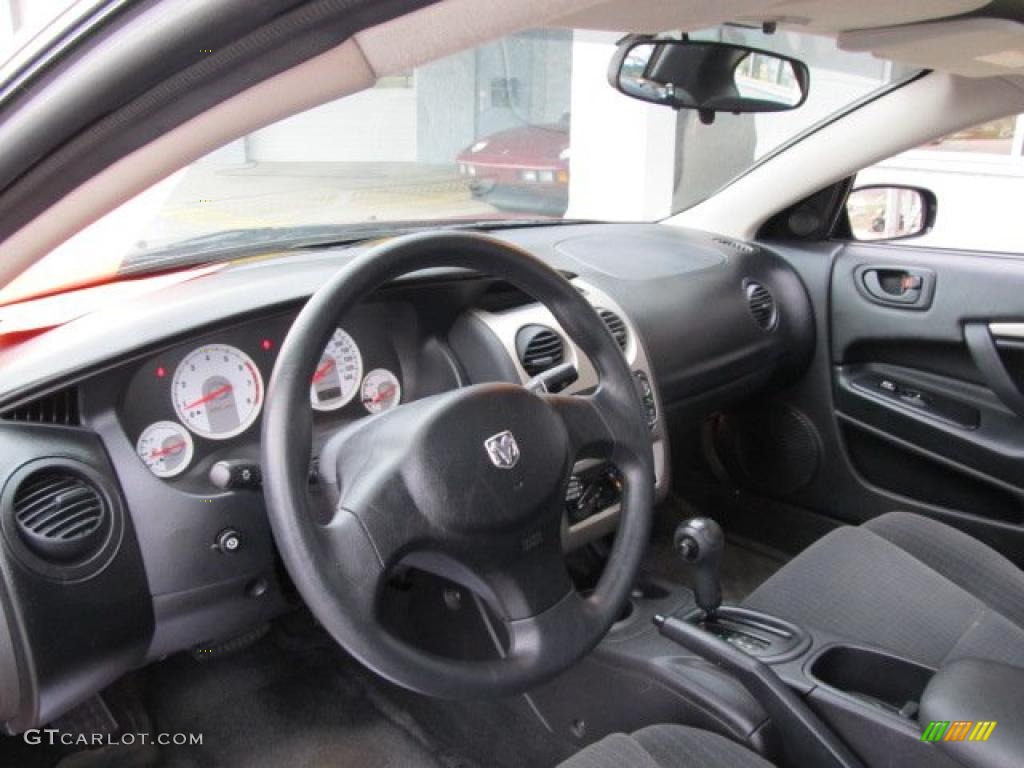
(161,372)
(266,345)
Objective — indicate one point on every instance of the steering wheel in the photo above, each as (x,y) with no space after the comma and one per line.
(469,484)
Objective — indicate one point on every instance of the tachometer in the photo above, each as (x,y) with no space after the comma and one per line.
(381,390)
(166,448)
(337,375)
(217,391)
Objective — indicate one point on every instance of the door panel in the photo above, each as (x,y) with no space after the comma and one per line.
(907,415)
(894,411)
(928,387)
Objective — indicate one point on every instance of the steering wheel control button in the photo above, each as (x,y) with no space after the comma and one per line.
(643,386)
(230,475)
(228,541)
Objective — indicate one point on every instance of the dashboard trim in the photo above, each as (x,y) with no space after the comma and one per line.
(505,326)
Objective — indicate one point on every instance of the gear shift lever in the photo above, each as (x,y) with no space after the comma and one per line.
(700,541)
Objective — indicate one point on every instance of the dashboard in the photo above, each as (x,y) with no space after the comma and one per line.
(146,415)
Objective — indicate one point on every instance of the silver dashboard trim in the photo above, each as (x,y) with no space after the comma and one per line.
(506,324)
(1007,330)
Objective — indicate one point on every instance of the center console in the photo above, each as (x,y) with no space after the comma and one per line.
(793,694)
(973,709)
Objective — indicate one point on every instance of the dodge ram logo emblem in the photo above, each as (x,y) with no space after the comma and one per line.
(503,450)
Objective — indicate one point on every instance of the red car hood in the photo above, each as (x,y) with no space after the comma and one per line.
(529,145)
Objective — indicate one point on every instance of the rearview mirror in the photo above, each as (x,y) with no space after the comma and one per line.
(708,76)
(890,212)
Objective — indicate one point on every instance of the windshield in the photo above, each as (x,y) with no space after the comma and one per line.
(26,26)
(523,128)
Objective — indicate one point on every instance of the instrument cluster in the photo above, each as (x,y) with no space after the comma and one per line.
(198,403)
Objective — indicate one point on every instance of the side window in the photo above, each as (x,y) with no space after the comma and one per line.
(975,178)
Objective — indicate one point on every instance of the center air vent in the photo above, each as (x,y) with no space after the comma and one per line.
(539,348)
(60,515)
(615,326)
(761,304)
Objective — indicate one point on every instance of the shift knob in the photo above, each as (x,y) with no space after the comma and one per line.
(700,541)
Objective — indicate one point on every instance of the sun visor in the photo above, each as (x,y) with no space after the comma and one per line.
(815,16)
(968,47)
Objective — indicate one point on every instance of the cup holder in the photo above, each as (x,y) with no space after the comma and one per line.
(884,681)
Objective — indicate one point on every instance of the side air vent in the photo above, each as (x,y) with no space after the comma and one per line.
(59,408)
(761,304)
(736,245)
(539,348)
(61,516)
(615,326)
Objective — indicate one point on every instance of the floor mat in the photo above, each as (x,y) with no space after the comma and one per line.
(296,699)
(264,707)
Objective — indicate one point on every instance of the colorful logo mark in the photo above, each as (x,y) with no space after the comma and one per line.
(958,730)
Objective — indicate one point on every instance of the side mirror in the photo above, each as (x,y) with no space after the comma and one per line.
(890,212)
(708,76)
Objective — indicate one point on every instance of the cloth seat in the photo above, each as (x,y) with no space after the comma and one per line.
(907,584)
(666,746)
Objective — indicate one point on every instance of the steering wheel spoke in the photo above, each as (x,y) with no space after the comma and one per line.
(522,574)
(589,434)
(550,635)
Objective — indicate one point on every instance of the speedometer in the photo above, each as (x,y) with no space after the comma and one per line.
(217,391)
(337,376)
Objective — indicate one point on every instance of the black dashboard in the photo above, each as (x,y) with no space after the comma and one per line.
(154,405)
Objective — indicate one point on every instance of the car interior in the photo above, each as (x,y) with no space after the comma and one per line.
(661,414)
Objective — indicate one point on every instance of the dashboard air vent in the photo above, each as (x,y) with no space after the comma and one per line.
(736,245)
(60,408)
(539,348)
(60,515)
(761,304)
(615,326)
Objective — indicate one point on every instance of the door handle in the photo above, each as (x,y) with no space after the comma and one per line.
(905,287)
(985,353)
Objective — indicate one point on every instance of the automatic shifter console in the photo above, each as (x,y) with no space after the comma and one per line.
(700,542)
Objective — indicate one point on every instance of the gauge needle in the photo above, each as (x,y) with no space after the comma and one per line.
(322,370)
(165,451)
(218,392)
(382,393)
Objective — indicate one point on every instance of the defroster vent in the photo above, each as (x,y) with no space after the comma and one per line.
(59,408)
